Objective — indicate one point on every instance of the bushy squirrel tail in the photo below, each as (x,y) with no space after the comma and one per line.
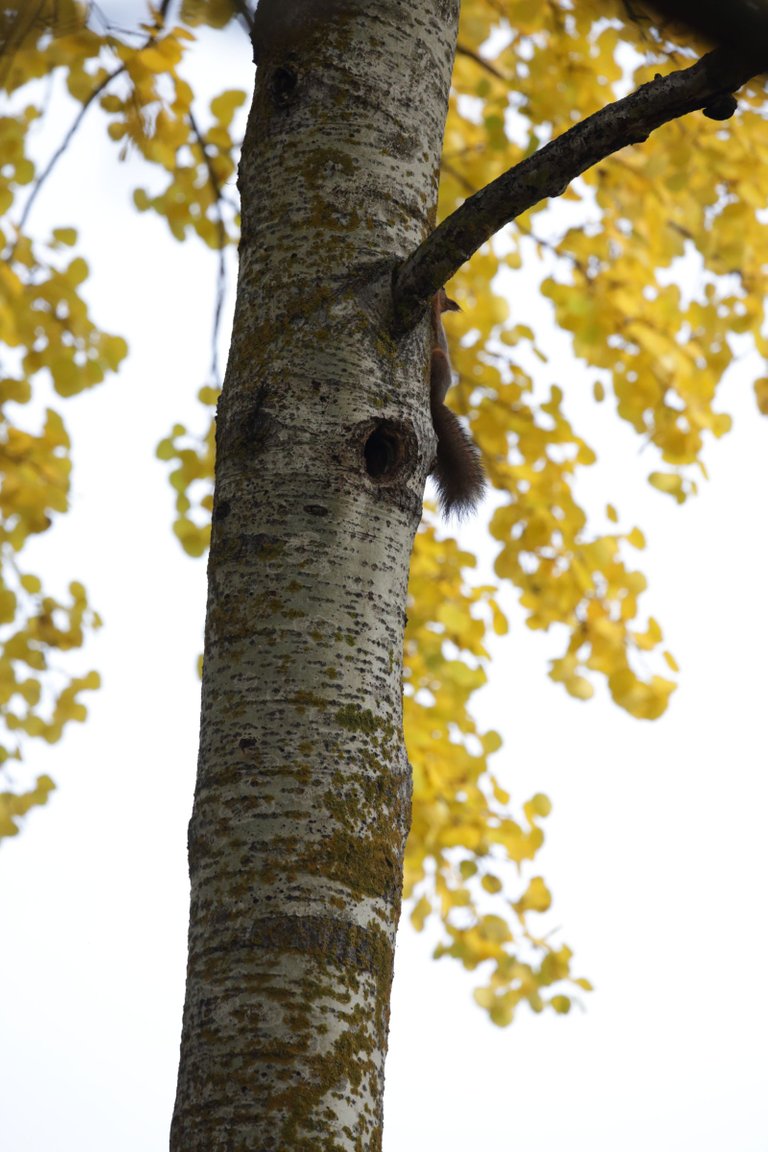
(458,471)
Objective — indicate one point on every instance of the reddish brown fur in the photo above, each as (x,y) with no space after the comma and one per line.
(457,469)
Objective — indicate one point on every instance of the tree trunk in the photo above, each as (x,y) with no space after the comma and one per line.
(324,441)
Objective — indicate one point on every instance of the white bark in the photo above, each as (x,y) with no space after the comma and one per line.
(302,803)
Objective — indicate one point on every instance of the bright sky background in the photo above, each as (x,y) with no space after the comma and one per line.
(656,850)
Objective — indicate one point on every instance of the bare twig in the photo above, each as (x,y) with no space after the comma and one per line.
(462,50)
(43,177)
(245,14)
(46,172)
(221,276)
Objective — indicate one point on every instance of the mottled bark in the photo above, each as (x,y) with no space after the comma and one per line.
(324,442)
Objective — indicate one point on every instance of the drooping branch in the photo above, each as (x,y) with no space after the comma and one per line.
(707,85)
(37,187)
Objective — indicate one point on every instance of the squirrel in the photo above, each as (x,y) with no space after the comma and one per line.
(457,469)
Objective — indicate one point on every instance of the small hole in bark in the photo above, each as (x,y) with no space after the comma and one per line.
(383,450)
(283,85)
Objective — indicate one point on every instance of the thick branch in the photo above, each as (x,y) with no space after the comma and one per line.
(738,23)
(549,171)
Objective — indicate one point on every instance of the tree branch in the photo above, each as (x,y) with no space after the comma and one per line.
(549,171)
(244,13)
(221,280)
(738,23)
(46,172)
(463,50)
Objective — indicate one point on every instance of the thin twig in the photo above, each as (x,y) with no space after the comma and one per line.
(462,50)
(447,167)
(151,39)
(221,276)
(59,153)
(246,16)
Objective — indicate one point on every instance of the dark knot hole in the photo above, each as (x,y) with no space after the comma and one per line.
(383,450)
(282,85)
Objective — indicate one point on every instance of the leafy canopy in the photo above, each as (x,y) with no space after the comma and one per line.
(693,196)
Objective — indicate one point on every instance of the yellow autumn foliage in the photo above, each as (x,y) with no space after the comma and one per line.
(693,196)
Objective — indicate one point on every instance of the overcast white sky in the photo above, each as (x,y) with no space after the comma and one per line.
(656,850)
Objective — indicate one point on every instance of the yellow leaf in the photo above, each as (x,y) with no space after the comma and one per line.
(651,637)
(7,605)
(579,687)
(670,483)
(538,805)
(114,349)
(494,929)
(226,104)
(491,742)
(77,271)
(645,701)
(209,395)
(536,898)
(17,391)
(193,540)
(420,913)
(162,56)
(761,394)
(66,236)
